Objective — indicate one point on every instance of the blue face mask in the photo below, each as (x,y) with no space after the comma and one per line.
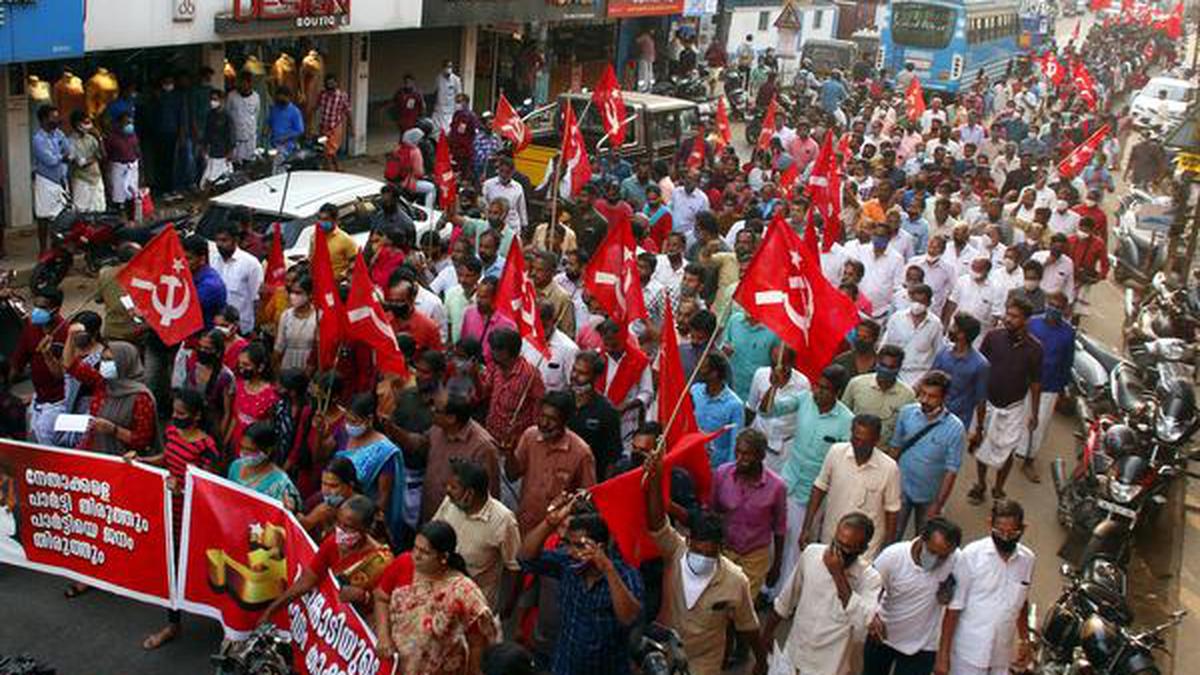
(879,241)
(128,129)
(1053,313)
(40,316)
(334,499)
(327,225)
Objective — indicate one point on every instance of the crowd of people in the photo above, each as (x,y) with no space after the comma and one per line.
(459,496)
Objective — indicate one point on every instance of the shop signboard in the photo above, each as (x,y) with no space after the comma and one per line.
(36,30)
(633,8)
(461,12)
(249,17)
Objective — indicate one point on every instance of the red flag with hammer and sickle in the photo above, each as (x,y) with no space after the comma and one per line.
(784,289)
(1075,162)
(443,174)
(724,131)
(914,99)
(510,126)
(576,170)
(825,190)
(1084,84)
(367,323)
(516,298)
(1052,69)
(160,284)
(612,277)
(768,126)
(611,106)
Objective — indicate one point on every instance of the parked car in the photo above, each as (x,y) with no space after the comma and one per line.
(1162,103)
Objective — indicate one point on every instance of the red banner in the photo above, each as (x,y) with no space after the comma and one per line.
(628,8)
(93,518)
(242,550)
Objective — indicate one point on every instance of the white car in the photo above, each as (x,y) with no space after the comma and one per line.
(1162,103)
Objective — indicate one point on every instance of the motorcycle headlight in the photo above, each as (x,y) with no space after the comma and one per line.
(1123,493)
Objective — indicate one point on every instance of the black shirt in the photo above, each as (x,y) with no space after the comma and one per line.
(599,425)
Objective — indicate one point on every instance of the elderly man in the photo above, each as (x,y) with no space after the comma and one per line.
(502,186)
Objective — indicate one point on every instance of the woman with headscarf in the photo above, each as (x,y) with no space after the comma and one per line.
(406,167)
(122,408)
(440,623)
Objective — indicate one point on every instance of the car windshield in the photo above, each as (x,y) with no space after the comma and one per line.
(1171,92)
(922,26)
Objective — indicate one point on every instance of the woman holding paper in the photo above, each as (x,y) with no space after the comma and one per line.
(122,408)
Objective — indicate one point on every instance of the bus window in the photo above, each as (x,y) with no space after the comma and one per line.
(922,26)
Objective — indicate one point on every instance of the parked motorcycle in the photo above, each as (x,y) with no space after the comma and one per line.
(754,122)
(736,95)
(1108,648)
(1099,588)
(1091,376)
(692,87)
(266,651)
(1138,255)
(94,235)
(1161,311)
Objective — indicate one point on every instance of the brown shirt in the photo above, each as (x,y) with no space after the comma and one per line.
(564,309)
(726,599)
(1016,364)
(548,469)
(473,443)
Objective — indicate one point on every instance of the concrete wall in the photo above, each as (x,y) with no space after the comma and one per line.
(745,21)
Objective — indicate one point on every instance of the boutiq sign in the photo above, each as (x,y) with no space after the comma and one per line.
(628,8)
(241,551)
(267,16)
(458,12)
(96,519)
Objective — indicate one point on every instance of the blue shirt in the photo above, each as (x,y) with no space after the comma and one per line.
(591,641)
(211,290)
(714,412)
(1058,351)
(286,125)
(50,149)
(925,463)
(833,92)
(919,229)
(751,350)
(815,432)
(968,380)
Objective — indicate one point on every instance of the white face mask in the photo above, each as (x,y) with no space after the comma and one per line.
(1010,265)
(918,308)
(979,276)
(108,369)
(700,565)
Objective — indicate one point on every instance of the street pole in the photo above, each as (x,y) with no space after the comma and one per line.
(1191,248)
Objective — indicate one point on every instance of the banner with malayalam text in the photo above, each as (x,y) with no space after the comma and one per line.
(241,551)
(93,518)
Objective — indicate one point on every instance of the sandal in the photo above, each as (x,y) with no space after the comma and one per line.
(975,496)
(997,493)
(75,590)
(160,638)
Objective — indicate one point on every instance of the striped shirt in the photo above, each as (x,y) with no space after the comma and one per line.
(178,454)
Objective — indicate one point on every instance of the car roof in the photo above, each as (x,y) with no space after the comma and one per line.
(1162,80)
(652,102)
(306,192)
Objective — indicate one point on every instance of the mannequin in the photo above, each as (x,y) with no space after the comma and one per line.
(312,75)
(230,75)
(102,88)
(68,96)
(284,73)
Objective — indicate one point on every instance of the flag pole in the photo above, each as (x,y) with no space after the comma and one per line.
(687,387)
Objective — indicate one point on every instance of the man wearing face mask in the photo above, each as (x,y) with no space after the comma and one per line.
(87,186)
(342,248)
(917,331)
(51,152)
(488,537)
(596,421)
(831,598)
(918,583)
(976,294)
(855,478)
(39,347)
(1089,253)
(940,273)
(406,319)
(991,601)
(686,202)
(1030,290)
(243,104)
(241,272)
(881,393)
(502,186)
(861,357)
(706,595)
(1057,337)
(209,286)
(285,124)
(882,270)
(217,140)
(1058,270)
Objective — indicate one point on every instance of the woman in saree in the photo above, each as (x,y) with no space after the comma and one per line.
(356,559)
(378,464)
(255,470)
(440,623)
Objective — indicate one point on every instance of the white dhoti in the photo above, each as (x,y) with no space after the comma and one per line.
(123,181)
(87,197)
(49,198)
(214,169)
(243,149)
(1004,429)
(441,119)
(1038,435)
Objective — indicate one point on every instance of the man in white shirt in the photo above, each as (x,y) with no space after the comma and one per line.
(671,263)
(940,273)
(241,272)
(686,201)
(839,592)
(991,601)
(780,429)
(960,252)
(502,186)
(640,394)
(972,131)
(882,270)
(1063,220)
(917,332)
(916,590)
(978,295)
(1058,270)
(555,368)
(933,112)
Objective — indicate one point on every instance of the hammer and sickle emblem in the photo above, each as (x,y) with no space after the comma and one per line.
(167,308)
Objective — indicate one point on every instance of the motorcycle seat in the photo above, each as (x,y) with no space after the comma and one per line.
(1129,387)
(1107,357)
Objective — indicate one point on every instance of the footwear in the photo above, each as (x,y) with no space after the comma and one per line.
(998,493)
(975,496)
(1030,472)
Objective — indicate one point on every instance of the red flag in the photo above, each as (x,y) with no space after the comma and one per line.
(784,289)
(811,237)
(516,298)
(443,174)
(160,284)
(672,383)
(367,323)
(768,127)
(1099,5)
(787,179)
(622,504)
(1052,69)
(276,274)
(1084,84)
(914,98)
(611,276)
(724,132)
(611,106)
(825,190)
(577,169)
(332,324)
(1174,23)
(695,158)
(1082,154)
(508,124)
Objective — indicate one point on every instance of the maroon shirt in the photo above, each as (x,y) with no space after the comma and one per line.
(47,386)
(122,148)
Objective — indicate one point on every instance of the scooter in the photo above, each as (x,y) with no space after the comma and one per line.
(1138,255)
(94,235)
